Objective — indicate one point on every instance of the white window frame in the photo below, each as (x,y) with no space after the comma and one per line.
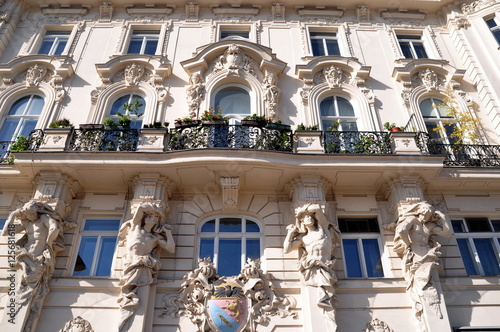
(439,120)
(324,36)
(35,43)
(234,118)
(59,36)
(359,237)
(243,236)
(99,234)
(6,115)
(493,29)
(411,41)
(470,236)
(236,28)
(123,44)
(354,118)
(145,36)
(132,116)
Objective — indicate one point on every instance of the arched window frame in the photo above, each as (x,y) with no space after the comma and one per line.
(338,117)
(217,235)
(23,117)
(130,94)
(221,87)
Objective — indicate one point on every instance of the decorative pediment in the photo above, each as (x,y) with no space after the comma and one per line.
(133,69)
(34,69)
(233,56)
(334,71)
(431,74)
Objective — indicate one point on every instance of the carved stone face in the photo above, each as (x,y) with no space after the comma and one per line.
(151,219)
(308,220)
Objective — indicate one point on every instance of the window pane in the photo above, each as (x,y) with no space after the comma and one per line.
(86,253)
(496,225)
(332,47)
(458,226)
(134,46)
(349,126)
(9,129)
(230,261)
(252,227)
(209,226)
(487,256)
(351,258)
(60,46)
(136,124)
(345,107)
(470,265)
(141,101)
(491,23)
(427,110)
(46,46)
(420,50)
(317,47)
(105,258)
(2,223)
(496,34)
(230,225)
(253,249)
(19,106)
(358,225)
(27,126)
(102,225)
(326,107)
(151,47)
(478,225)
(233,101)
(118,105)
(36,106)
(207,248)
(406,49)
(372,258)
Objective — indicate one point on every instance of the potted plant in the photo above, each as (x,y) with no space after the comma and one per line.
(63,123)
(157,125)
(392,127)
(254,120)
(276,124)
(334,126)
(302,127)
(214,118)
(187,121)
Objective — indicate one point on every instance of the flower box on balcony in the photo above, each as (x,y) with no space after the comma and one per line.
(278,126)
(404,142)
(187,124)
(214,122)
(308,141)
(253,123)
(152,139)
(55,139)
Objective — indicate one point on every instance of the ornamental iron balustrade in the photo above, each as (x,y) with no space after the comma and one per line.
(357,142)
(467,155)
(34,140)
(104,140)
(230,136)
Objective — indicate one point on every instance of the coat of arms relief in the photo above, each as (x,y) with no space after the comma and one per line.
(228,304)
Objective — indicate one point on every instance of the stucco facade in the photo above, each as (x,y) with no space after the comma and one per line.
(345,227)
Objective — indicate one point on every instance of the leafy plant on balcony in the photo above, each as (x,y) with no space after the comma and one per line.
(255,117)
(124,119)
(302,127)
(213,115)
(464,124)
(157,125)
(186,119)
(63,123)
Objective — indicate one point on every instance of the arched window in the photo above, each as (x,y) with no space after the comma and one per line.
(337,109)
(134,114)
(233,101)
(229,241)
(21,118)
(434,111)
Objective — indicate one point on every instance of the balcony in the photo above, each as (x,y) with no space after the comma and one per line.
(102,140)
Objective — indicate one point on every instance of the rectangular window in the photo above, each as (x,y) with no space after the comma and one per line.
(479,242)
(412,47)
(235,34)
(54,42)
(97,248)
(361,247)
(2,223)
(494,26)
(324,43)
(143,42)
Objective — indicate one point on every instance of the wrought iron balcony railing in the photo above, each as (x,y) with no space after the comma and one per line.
(230,136)
(467,155)
(104,140)
(31,143)
(357,142)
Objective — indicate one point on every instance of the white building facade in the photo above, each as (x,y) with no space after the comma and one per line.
(229,166)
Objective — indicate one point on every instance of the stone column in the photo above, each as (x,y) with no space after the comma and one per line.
(143,237)
(315,235)
(32,261)
(416,226)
